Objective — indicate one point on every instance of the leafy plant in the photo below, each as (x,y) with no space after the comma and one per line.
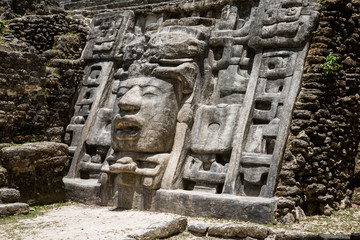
(2,25)
(330,64)
(315,32)
(324,3)
(338,37)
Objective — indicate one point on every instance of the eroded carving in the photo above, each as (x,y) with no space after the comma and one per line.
(197,101)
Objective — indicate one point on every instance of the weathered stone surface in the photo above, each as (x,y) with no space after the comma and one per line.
(82,191)
(299,214)
(198,228)
(335,237)
(163,230)
(355,236)
(3,176)
(290,235)
(228,230)
(225,82)
(287,219)
(321,139)
(9,209)
(224,206)
(36,169)
(312,237)
(356,196)
(9,195)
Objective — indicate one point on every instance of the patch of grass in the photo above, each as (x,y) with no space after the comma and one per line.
(34,212)
(340,222)
(182,235)
(12,228)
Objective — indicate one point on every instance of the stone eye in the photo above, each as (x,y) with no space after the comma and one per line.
(122,91)
(150,91)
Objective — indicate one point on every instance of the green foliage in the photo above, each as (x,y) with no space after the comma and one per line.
(324,3)
(2,25)
(338,37)
(330,64)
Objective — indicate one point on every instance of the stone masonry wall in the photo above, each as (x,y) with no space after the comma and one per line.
(40,70)
(37,92)
(40,31)
(36,170)
(11,8)
(317,176)
(105,4)
(317,173)
(23,108)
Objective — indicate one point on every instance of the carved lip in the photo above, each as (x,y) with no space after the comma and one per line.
(126,128)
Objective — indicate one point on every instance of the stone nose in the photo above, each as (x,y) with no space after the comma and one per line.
(131,100)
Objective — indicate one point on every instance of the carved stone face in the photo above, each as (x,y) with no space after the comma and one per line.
(145,119)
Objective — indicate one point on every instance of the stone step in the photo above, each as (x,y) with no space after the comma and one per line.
(9,209)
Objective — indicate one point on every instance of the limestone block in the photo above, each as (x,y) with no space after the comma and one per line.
(213,128)
(163,230)
(198,228)
(286,23)
(105,36)
(357,167)
(36,169)
(9,195)
(9,209)
(100,133)
(228,230)
(356,196)
(226,206)
(3,176)
(238,231)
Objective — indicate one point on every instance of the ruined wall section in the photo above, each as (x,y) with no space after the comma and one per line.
(317,172)
(40,72)
(106,4)
(40,31)
(23,111)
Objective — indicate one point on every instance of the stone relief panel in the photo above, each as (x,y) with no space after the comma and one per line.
(191,99)
(88,133)
(285,23)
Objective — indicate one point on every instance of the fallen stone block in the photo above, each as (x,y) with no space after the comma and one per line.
(228,230)
(10,209)
(198,228)
(161,230)
(9,195)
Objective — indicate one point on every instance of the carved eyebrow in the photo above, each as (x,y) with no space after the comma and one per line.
(129,85)
(147,86)
(123,89)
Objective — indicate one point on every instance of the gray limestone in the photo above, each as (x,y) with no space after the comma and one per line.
(162,230)
(192,203)
(10,209)
(198,102)
(82,191)
(9,195)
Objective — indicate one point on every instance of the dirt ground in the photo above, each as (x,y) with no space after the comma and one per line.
(80,222)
